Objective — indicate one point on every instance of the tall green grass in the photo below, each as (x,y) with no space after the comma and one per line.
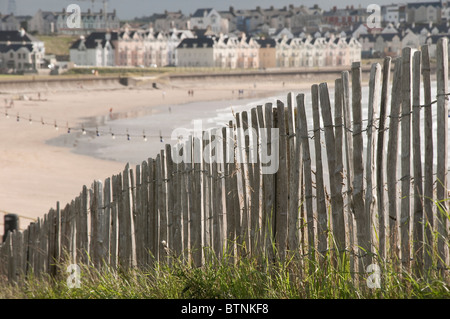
(313,276)
(247,278)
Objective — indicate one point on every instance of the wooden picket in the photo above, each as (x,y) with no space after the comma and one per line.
(334,171)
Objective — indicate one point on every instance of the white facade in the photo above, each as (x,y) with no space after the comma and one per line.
(20,52)
(97,52)
(223,52)
(209,18)
(317,52)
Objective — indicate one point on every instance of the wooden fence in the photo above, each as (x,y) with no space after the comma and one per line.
(370,188)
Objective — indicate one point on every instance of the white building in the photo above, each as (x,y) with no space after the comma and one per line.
(95,50)
(20,52)
(174,38)
(196,52)
(209,18)
(221,51)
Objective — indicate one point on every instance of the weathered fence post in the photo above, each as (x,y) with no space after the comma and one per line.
(380,163)
(294,177)
(125,240)
(152,231)
(337,211)
(417,160)
(358,179)
(428,203)
(348,164)
(162,207)
(392,159)
(322,225)
(281,199)
(442,150)
(406,157)
(256,186)
(370,201)
(207,190)
(339,216)
(302,135)
(268,218)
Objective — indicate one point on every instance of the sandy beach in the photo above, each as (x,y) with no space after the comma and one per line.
(42,165)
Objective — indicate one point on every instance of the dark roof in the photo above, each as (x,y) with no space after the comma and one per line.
(199,13)
(15,36)
(388,36)
(369,36)
(264,43)
(6,48)
(433,39)
(200,42)
(91,41)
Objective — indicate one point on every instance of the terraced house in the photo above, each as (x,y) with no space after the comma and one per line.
(284,52)
(317,51)
(219,51)
(127,48)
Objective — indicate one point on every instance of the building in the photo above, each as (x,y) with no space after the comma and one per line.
(43,22)
(174,38)
(424,12)
(317,51)
(209,18)
(8,22)
(47,22)
(267,53)
(128,47)
(171,20)
(219,51)
(199,52)
(20,52)
(97,49)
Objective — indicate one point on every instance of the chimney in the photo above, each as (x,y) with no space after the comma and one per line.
(231,9)
(22,32)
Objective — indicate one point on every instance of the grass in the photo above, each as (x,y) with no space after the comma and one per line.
(264,276)
(57,45)
(247,278)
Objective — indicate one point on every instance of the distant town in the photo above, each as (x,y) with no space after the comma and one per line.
(254,38)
